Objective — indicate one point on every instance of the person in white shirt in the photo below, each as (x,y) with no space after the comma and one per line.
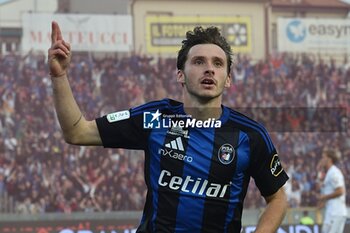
(332,196)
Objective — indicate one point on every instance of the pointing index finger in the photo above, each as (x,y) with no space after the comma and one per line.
(55,32)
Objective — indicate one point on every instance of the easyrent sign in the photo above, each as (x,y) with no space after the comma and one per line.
(330,36)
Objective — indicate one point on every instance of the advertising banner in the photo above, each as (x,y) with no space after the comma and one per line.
(330,36)
(71,226)
(165,33)
(118,226)
(85,32)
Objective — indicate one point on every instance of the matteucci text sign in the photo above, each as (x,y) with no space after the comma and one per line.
(100,33)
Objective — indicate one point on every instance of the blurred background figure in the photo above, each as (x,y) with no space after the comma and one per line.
(306,219)
(333,192)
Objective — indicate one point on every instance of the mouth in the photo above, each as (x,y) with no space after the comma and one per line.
(208,82)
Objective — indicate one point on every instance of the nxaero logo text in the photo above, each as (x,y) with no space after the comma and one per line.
(154,120)
(175,150)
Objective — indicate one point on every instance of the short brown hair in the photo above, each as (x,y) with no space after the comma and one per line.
(332,154)
(200,35)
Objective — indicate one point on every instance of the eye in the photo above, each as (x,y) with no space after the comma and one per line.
(218,64)
(198,62)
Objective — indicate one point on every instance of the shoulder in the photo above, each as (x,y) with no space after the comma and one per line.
(254,130)
(246,123)
(335,171)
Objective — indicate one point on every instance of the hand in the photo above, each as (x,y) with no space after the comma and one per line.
(59,54)
(320,204)
(321,201)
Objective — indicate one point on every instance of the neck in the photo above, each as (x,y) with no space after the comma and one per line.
(329,165)
(203,109)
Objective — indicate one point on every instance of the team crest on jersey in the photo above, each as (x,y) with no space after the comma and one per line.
(226,153)
(275,165)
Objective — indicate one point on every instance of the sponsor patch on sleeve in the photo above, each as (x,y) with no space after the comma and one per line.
(118,116)
(275,165)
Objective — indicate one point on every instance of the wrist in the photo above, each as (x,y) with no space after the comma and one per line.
(326,197)
(58,75)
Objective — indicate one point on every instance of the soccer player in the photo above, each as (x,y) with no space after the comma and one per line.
(332,194)
(199,155)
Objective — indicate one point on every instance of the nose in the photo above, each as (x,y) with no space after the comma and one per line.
(209,70)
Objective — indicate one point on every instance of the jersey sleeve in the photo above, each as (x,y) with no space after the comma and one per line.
(267,169)
(337,180)
(122,130)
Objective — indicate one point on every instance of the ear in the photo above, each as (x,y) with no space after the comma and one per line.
(228,81)
(180,76)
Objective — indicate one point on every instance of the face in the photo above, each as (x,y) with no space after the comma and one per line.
(325,160)
(205,72)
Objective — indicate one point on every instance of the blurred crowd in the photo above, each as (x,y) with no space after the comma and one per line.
(302,100)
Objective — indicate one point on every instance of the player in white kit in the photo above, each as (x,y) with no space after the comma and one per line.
(332,196)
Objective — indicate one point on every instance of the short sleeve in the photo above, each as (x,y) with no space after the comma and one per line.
(266,167)
(337,180)
(122,130)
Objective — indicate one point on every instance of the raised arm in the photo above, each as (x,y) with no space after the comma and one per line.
(76,129)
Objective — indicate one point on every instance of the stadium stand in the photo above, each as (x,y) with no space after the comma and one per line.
(40,173)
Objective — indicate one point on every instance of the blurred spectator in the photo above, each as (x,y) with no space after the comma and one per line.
(291,94)
(306,219)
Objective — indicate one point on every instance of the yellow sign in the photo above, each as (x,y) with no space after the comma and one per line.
(165,33)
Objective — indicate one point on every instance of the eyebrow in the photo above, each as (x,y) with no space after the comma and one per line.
(203,57)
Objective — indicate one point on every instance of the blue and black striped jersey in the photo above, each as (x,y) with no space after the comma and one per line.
(197,173)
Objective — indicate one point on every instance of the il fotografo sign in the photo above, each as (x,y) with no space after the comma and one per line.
(83,31)
(313,35)
(165,33)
